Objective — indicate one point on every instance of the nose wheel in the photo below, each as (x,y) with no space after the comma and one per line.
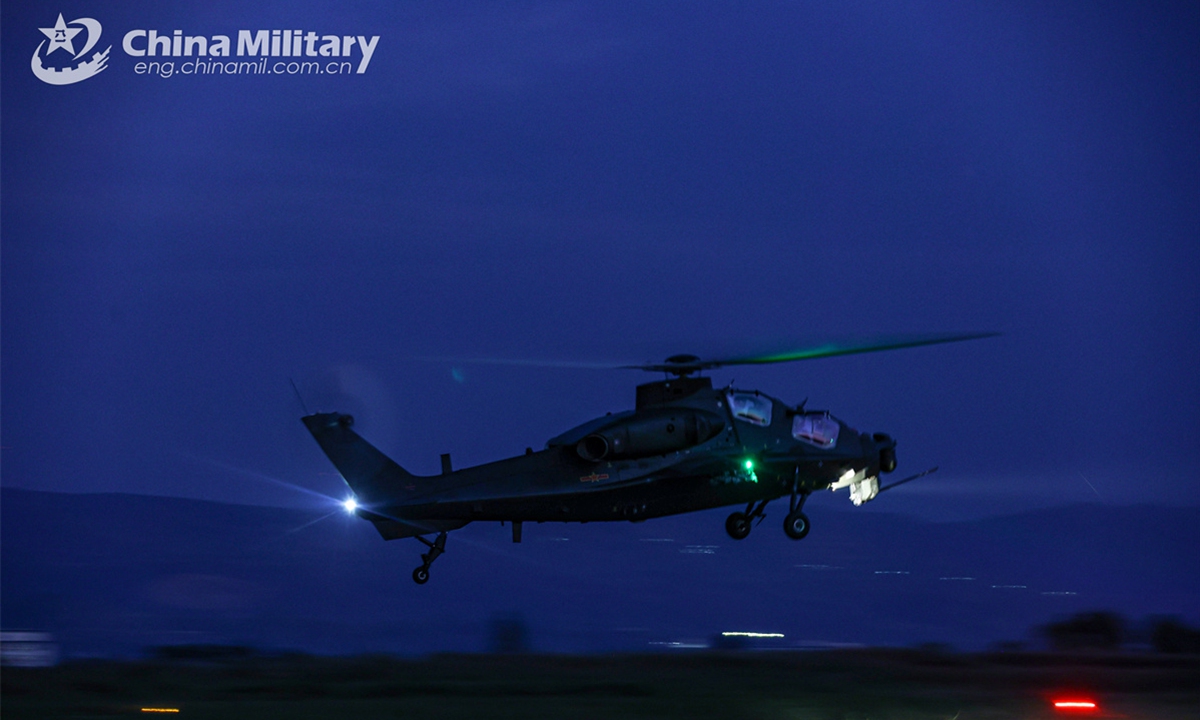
(437,547)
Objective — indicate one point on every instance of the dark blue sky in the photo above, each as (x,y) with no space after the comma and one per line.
(615,183)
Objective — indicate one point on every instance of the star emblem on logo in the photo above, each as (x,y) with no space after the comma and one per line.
(61,36)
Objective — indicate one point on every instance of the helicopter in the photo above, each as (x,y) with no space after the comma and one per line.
(686,446)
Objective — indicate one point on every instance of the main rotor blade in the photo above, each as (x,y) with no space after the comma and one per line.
(521,362)
(687,364)
(684,364)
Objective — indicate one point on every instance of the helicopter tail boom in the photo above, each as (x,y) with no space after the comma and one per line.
(369,473)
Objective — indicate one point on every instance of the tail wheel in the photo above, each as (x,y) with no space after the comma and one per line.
(421,575)
(796,525)
(738,526)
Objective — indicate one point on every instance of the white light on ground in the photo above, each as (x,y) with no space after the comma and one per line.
(351,505)
(751,634)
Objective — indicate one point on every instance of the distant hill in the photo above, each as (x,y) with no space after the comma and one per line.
(111,574)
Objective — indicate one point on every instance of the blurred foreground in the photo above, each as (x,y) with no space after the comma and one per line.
(830,685)
(110,575)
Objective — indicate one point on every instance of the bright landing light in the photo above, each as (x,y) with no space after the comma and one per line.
(351,505)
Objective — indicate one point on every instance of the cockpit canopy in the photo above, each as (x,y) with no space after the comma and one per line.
(750,407)
(816,429)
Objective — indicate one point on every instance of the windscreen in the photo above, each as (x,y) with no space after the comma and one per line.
(750,407)
(816,429)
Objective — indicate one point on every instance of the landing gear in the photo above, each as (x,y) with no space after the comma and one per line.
(796,524)
(436,548)
(738,524)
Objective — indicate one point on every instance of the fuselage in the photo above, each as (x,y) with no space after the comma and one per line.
(686,447)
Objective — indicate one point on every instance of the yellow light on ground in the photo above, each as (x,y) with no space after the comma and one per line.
(751,634)
(160,710)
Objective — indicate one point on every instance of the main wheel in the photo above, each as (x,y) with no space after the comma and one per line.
(421,575)
(738,526)
(796,525)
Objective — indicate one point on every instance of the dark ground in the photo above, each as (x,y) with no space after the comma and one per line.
(109,575)
(833,685)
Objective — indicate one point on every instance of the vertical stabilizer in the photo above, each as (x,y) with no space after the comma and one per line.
(372,475)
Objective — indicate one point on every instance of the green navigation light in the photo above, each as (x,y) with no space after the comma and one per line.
(749,465)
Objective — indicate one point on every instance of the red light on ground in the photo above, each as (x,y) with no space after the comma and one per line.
(1074,705)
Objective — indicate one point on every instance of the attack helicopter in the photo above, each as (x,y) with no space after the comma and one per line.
(686,446)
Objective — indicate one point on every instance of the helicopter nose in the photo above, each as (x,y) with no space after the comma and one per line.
(887,451)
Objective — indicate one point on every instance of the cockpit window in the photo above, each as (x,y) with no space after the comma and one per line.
(751,408)
(815,429)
